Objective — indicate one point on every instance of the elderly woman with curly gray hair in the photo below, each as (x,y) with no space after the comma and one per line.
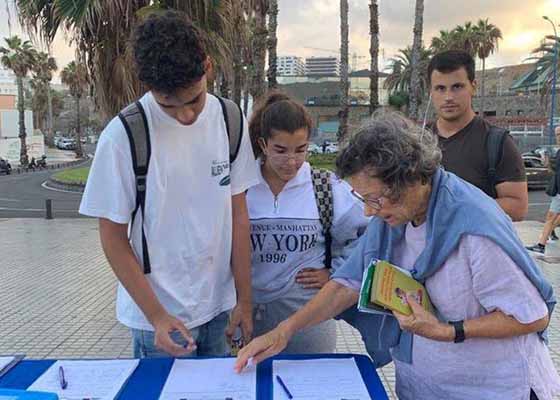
(487,337)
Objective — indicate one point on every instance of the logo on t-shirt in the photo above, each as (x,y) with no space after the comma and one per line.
(220,168)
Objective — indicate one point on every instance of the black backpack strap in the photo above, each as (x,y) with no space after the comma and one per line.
(323,195)
(495,146)
(233,118)
(135,123)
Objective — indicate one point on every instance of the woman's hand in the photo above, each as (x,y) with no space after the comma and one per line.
(263,347)
(312,278)
(423,323)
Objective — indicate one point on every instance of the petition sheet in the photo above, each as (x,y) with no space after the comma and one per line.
(209,380)
(86,379)
(319,379)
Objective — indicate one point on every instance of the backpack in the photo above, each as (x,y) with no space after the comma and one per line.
(133,118)
(322,188)
(495,147)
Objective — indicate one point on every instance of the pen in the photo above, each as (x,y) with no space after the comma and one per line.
(281,382)
(61,378)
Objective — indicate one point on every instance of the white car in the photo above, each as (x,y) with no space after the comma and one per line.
(332,148)
(314,149)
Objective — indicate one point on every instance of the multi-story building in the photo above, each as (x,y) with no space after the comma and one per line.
(322,66)
(7,82)
(290,66)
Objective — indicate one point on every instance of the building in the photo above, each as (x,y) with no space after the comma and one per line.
(322,66)
(290,66)
(7,82)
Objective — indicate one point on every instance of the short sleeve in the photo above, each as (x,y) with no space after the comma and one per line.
(499,284)
(511,167)
(110,190)
(244,168)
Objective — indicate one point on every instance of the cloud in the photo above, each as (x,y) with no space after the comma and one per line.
(316,23)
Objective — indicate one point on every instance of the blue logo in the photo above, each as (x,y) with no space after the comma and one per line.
(226,180)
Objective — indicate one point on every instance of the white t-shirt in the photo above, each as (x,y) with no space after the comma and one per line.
(188,222)
(287,235)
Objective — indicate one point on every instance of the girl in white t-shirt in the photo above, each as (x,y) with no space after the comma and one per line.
(288,244)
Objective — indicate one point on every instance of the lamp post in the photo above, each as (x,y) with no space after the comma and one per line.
(554,74)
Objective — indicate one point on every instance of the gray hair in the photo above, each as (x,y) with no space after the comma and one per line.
(393,149)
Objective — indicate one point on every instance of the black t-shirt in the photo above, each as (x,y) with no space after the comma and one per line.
(466,155)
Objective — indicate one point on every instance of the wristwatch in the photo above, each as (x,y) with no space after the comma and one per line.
(459,331)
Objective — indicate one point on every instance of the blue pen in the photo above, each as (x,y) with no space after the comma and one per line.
(281,382)
(61,378)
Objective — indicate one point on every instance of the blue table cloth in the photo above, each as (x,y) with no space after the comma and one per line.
(147,381)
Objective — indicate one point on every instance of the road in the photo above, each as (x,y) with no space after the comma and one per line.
(22,196)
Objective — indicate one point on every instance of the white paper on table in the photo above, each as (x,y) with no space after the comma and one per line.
(319,379)
(209,379)
(91,379)
(4,361)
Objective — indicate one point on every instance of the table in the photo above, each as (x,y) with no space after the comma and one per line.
(148,379)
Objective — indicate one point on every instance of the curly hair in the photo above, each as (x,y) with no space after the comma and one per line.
(168,52)
(277,112)
(393,149)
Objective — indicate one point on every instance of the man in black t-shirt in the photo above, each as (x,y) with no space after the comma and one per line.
(462,134)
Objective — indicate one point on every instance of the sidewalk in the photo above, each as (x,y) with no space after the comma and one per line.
(58,294)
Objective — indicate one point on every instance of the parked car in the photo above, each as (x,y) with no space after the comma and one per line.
(5,167)
(538,175)
(314,149)
(332,148)
(549,149)
(66,144)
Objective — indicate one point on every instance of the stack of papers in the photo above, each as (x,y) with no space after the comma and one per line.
(209,380)
(91,379)
(319,379)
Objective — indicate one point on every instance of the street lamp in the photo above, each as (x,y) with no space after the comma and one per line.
(554,73)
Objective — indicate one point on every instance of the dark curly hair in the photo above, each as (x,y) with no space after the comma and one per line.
(393,149)
(168,52)
(277,112)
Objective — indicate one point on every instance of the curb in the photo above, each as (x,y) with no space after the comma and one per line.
(20,170)
(53,183)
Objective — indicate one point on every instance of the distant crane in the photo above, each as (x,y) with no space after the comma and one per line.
(355,56)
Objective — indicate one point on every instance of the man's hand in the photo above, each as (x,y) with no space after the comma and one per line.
(162,339)
(242,315)
(263,347)
(311,278)
(423,323)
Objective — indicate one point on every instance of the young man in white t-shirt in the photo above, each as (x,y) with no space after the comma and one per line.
(196,223)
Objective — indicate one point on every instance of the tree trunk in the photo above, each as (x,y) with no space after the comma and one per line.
(21,115)
(79,152)
(224,86)
(259,53)
(415,90)
(272,43)
(343,113)
(246,94)
(482,94)
(50,133)
(374,53)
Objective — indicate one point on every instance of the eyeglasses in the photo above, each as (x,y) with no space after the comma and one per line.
(376,204)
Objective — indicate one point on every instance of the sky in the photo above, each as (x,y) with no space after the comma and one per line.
(307,25)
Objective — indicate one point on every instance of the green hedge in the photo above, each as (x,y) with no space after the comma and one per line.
(73,175)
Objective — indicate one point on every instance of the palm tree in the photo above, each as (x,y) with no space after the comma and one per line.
(544,58)
(488,37)
(74,75)
(257,10)
(447,40)
(374,53)
(272,43)
(43,70)
(467,38)
(415,77)
(401,71)
(19,56)
(101,31)
(344,84)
